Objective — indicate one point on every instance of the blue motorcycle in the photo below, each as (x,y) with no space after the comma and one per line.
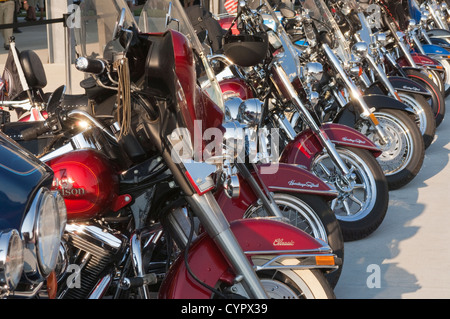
(433,42)
(32,220)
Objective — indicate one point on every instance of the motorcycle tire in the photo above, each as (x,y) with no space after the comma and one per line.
(423,116)
(437,79)
(361,206)
(313,215)
(403,155)
(436,100)
(445,77)
(294,284)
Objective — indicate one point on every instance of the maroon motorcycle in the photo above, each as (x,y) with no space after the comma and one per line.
(338,154)
(142,217)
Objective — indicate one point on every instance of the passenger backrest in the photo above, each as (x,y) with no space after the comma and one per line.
(33,69)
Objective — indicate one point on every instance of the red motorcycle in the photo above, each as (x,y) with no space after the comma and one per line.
(134,204)
(416,66)
(291,193)
(338,154)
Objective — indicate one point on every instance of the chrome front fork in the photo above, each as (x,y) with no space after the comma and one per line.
(304,112)
(212,219)
(356,94)
(215,224)
(381,76)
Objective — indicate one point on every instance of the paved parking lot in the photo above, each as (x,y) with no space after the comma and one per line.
(407,257)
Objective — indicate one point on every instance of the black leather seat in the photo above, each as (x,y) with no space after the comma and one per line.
(76,102)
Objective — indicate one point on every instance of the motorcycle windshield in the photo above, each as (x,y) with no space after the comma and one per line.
(158,16)
(365,33)
(324,21)
(286,55)
(414,10)
(94,24)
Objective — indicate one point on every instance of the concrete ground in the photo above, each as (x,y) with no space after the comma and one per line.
(407,257)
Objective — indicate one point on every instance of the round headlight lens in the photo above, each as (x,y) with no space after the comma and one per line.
(62,210)
(48,233)
(11,258)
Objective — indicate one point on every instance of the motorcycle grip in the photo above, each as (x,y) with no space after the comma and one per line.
(89,65)
(33,132)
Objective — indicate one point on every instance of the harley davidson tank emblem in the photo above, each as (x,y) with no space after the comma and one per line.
(66,188)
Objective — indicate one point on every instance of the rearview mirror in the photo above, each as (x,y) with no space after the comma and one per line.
(118,28)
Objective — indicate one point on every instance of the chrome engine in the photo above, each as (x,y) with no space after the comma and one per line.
(85,259)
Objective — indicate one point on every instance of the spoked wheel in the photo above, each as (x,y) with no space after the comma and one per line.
(285,283)
(295,284)
(362,203)
(312,215)
(403,154)
(423,116)
(436,99)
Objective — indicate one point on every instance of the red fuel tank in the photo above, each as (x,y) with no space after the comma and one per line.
(87,181)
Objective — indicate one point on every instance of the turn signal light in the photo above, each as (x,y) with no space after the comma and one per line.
(325,260)
(52,285)
(374,119)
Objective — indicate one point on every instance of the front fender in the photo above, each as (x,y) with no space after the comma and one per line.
(421,60)
(441,42)
(306,145)
(349,114)
(288,178)
(436,52)
(385,102)
(376,101)
(439,34)
(294,179)
(400,84)
(432,49)
(426,61)
(255,236)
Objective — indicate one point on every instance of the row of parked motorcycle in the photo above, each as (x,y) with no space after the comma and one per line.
(225,156)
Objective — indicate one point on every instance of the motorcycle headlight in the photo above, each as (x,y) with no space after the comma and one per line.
(381,38)
(48,233)
(251,111)
(314,71)
(62,210)
(360,49)
(11,258)
(41,232)
(425,14)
